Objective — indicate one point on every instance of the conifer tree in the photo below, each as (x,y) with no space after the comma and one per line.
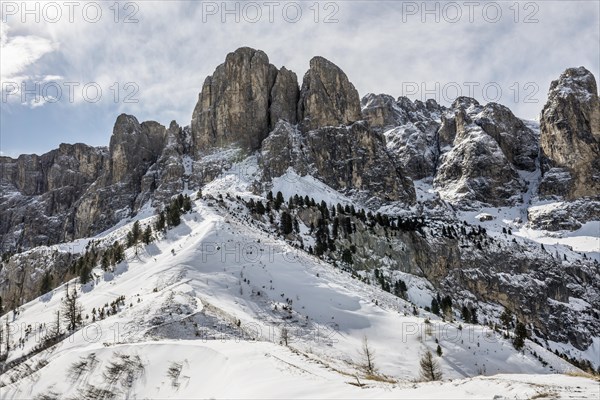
(84,274)
(286,224)
(46,284)
(506,318)
(520,335)
(160,221)
(147,236)
(278,201)
(368,357)
(435,307)
(71,309)
(430,368)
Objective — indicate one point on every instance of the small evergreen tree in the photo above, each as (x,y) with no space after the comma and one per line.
(84,274)
(71,309)
(46,284)
(136,232)
(430,368)
(106,256)
(466,313)
(474,316)
(118,252)
(160,222)
(506,318)
(286,224)
(520,336)
(278,201)
(173,214)
(187,204)
(435,307)
(347,256)
(147,236)
(260,208)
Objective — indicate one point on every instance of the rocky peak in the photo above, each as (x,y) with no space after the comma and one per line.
(570,137)
(381,111)
(134,146)
(574,81)
(465,103)
(242,101)
(327,97)
(517,141)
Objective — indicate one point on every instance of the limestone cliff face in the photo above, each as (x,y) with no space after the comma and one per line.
(475,168)
(242,100)
(39,193)
(134,147)
(471,152)
(352,159)
(570,137)
(517,141)
(327,97)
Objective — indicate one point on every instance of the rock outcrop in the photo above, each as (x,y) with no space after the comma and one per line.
(471,152)
(413,141)
(39,193)
(352,159)
(476,168)
(518,143)
(242,100)
(570,137)
(327,97)
(134,147)
(284,98)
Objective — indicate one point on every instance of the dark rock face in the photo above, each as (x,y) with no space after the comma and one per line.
(570,137)
(39,193)
(518,143)
(327,97)
(285,147)
(284,98)
(134,147)
(351,159)
(242,100)
(382,112)
(354,159)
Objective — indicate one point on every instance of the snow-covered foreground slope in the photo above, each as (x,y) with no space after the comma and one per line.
(204,311)
(216,369)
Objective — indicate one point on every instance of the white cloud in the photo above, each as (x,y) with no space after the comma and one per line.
(20,52)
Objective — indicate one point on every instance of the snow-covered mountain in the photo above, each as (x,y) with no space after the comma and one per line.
(310,221)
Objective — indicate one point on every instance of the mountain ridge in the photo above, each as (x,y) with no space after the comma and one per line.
(400,158)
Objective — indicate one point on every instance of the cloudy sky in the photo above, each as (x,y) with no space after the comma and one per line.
(83,63)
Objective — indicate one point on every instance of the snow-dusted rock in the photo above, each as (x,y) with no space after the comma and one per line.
(570,137)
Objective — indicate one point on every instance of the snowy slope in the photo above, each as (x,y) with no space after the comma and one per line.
(213,296)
